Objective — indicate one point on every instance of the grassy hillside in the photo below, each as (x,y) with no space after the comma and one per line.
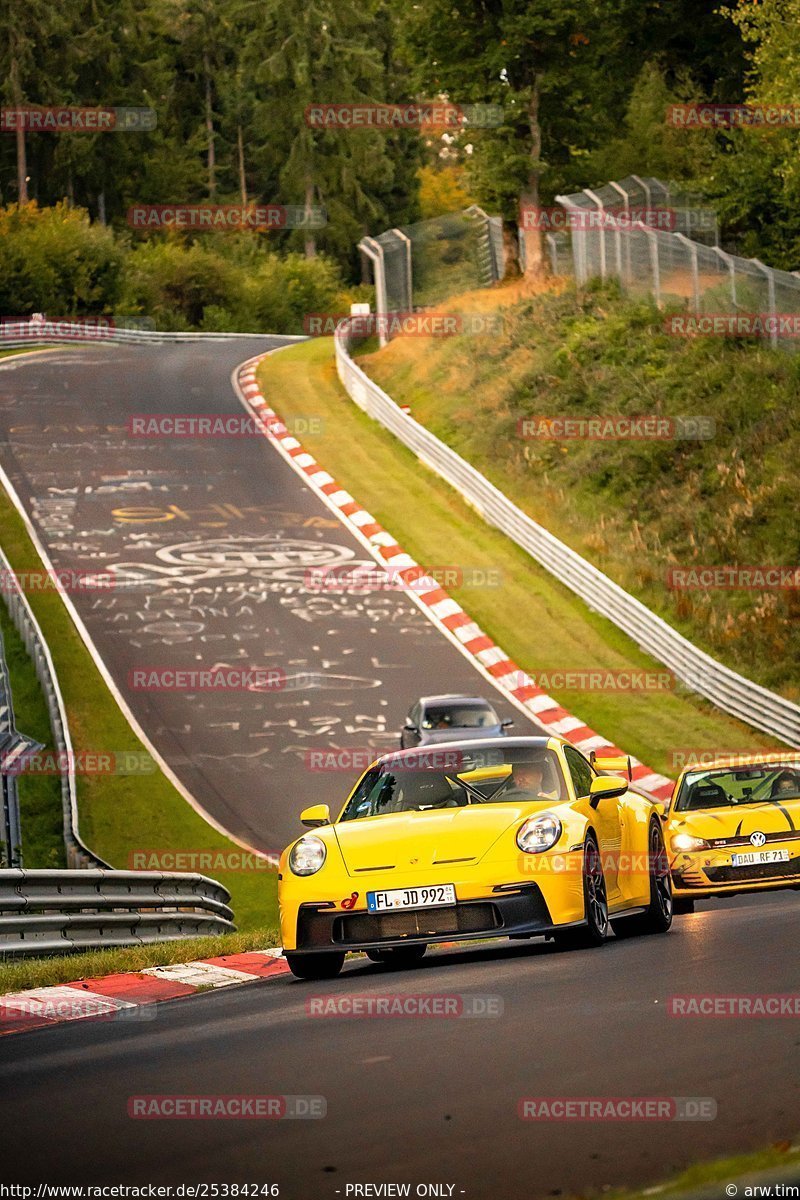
(634,508)
(537,621)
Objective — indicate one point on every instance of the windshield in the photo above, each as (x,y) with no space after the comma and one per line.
(423,781)
(730,786)
(460,716)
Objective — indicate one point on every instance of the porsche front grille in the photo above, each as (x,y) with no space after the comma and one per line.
(458,918)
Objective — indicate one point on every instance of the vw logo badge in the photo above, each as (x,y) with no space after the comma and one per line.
(757,839)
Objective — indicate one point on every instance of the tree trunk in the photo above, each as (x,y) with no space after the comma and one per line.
(242,176)
(211,157)
(311,242)
(22,158)
(532,237)
(511,249)
(101,207)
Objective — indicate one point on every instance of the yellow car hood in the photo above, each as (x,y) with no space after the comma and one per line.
(740,820)
(427,839)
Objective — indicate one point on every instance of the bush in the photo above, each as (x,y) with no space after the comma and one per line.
(53,260)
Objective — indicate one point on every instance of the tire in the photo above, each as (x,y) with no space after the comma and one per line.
(398,957)
(315,966)
(658,917)
(682,905)
(595,904)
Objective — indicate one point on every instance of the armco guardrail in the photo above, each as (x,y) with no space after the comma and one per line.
(78,853)
(748,701)
(56,912)
(16,334)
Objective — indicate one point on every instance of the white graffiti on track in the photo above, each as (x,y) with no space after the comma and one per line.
(231,558)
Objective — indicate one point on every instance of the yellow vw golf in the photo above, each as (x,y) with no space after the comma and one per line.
(734,826)
(502,837)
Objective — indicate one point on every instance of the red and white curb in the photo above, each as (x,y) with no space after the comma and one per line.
(443,610)
(111,996)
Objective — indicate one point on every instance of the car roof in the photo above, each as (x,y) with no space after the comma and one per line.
(454,698)
(770,758)
(471,745)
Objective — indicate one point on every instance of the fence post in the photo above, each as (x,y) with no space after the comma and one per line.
(654,264)
(727,258)
(374,252)
(578,245)
(551,242)
(601,209)
(496,265)
(409,270)
(773,337)
(626,274)
(692,247)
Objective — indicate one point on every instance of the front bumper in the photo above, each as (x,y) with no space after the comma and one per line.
(501,914)
(711,873)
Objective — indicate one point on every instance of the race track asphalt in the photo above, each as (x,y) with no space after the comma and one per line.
(211,541)
(431,1100)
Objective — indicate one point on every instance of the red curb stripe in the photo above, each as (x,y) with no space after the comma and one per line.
(551,715)
(257,965)
(133,986)
(434,597)
(579,735)
(456,620)
(479,643)
(12,1021)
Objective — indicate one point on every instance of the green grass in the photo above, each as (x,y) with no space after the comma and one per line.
(120,814)
(41,818)
(25,350)
(721,1170)
(536,620)
(633,508)
(16,976)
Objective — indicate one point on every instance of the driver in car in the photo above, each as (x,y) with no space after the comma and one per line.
(786,785)
(527,783)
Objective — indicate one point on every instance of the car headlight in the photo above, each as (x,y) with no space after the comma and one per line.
(307,856)
(685,841)
(538,833)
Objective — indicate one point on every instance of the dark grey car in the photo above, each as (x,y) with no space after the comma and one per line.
(450,718)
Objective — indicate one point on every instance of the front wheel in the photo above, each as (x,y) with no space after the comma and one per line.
(658,916)
(315,966)
(398,957)
(595,904)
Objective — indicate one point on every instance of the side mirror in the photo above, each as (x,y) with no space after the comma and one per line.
(506,724)
(318,814)
(410,728)
(616,763)
(604,787)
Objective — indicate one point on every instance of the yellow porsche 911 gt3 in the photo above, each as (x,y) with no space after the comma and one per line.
(501,837)
(735,827)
